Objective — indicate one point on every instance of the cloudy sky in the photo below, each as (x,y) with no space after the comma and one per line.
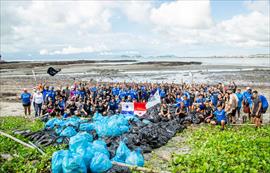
(184,28)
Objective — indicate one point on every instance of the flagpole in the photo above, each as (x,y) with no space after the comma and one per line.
(34,75)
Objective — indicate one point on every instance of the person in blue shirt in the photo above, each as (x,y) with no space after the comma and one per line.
(240,100)
(51,94)
(115,91)
(26,101)
(200,101)
(247,101)
(220,117)
(178,100)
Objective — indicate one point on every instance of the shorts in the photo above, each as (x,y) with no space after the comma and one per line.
(257,116)
(26,104)
(219,122)
(233,113)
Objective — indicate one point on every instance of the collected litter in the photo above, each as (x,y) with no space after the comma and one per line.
(94,145)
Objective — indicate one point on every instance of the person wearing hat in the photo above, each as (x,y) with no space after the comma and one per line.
(26,101)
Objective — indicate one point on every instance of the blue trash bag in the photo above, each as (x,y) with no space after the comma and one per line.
(68,132)
(73,163)
(58,130)
(100,163)
(57,160)
(87,153)
(73,121)
(135,158)
(121,153)
(98,117)
(100,147)
(86,127)
(80,139)
(50,124)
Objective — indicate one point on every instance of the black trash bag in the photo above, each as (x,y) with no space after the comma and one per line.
(119,169)
(51,71)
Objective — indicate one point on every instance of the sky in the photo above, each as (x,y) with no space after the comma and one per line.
(55,29)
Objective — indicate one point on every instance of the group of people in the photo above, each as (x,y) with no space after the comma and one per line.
(216,104)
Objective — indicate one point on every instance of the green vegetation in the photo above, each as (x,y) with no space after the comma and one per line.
(22,159)
(237,149)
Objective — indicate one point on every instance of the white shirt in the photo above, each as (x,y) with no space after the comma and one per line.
(38,98)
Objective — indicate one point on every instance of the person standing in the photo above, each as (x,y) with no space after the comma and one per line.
(240,100)
(256,109)
(26,101)
(38,100)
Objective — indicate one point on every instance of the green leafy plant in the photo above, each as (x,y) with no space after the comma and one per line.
(22,159)
(242,149)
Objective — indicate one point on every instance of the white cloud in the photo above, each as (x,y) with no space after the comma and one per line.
(258,5)
(137,11)
(246,30)
(58,27)
(188,14)
(73,50)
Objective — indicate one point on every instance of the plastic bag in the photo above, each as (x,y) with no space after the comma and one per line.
(99,146)
(50,124)
(86,127)
(57,160)
(121,153)
(100,163)
(86,153)
(135,158)
(73,121)
(68,132)
(80,139)
(72,163)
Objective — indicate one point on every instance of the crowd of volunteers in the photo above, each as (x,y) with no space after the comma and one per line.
(217,104)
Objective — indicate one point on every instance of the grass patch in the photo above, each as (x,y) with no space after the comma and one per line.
(237,149)
(22,159)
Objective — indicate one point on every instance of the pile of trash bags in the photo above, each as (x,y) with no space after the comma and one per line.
(85,155)
(95,144)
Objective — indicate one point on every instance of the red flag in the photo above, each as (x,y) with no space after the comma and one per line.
(139,108)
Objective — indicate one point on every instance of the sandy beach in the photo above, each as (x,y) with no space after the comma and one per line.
(18,75)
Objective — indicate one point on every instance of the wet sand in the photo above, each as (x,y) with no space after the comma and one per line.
(16,77)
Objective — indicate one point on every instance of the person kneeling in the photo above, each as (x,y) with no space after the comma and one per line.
(220,117)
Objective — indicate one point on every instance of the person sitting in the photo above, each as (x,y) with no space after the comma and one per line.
(181,110)
(220,117)
(208,111)
(164,111)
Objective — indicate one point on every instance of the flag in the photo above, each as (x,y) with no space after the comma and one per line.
(127,108)
(139,108)
(153,100)
(51,71)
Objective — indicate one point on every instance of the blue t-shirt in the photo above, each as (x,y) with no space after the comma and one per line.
(44,92)
(264,101)
(247,97)
(240,99)
(214,98)
(162,93)
(26,98)
(220,115)
(51,94)
(115,91)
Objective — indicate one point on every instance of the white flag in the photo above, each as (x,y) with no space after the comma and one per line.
(127,108)
(153,100)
